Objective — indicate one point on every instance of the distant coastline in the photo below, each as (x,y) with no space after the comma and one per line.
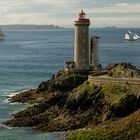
(33,26)
(30,26)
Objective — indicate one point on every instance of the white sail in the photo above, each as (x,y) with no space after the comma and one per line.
(127,37)
(136,36)
(130,36)
(129,32)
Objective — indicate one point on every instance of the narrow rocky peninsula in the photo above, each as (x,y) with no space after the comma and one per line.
(70,102)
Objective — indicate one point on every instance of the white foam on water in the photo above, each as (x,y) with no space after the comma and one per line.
(7,94)
(6,101)
(5,127)
(17,103)
(16,92)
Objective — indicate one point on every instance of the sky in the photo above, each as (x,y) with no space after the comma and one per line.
(102,13)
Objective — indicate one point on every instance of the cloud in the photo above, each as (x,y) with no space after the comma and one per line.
(63,4)
(64,12)
(117,8)
(30,18)
(115,21)
(7,6)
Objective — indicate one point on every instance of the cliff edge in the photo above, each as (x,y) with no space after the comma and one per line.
(69,102)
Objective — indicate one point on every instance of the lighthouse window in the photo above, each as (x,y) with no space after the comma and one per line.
(83,31)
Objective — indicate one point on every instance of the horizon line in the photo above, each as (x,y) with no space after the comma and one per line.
(61,26)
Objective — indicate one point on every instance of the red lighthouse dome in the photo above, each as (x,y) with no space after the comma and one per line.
(82,16)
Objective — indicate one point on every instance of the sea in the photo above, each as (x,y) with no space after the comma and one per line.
(29,56)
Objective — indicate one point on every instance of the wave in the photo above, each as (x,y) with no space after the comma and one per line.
(6,101)
(11,94)
(7,94)
(17,103)
(5,127)
(5,98)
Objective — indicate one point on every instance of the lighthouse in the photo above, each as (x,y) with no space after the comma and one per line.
(81,42)
(85,50)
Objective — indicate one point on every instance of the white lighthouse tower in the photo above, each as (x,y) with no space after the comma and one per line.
(81,44)
(85,51)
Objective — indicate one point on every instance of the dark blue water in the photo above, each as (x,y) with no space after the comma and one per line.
(29,56)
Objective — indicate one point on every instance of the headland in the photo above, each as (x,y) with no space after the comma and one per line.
(85,100)
(70,101)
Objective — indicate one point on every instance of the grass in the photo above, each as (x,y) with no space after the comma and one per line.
(127,128)
(114,93)
(82,89)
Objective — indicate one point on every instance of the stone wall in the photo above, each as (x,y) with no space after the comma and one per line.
(134,84)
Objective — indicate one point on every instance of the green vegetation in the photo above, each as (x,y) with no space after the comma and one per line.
(113,93)
(127,128)
(118,130)
(82,89)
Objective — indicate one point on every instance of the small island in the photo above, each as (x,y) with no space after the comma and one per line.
(86,101)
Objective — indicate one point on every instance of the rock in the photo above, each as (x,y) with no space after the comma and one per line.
(126,106)
(86,105)
(123,70)
(62,81)
(68,102)
(27,96)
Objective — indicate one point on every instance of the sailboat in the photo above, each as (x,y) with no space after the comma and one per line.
(1,35)
(130,36)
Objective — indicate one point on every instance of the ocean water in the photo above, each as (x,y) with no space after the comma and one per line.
(29,56)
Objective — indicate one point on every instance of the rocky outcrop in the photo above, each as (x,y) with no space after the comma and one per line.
(68,101)
(123,70)
(61,82)
(83,106)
